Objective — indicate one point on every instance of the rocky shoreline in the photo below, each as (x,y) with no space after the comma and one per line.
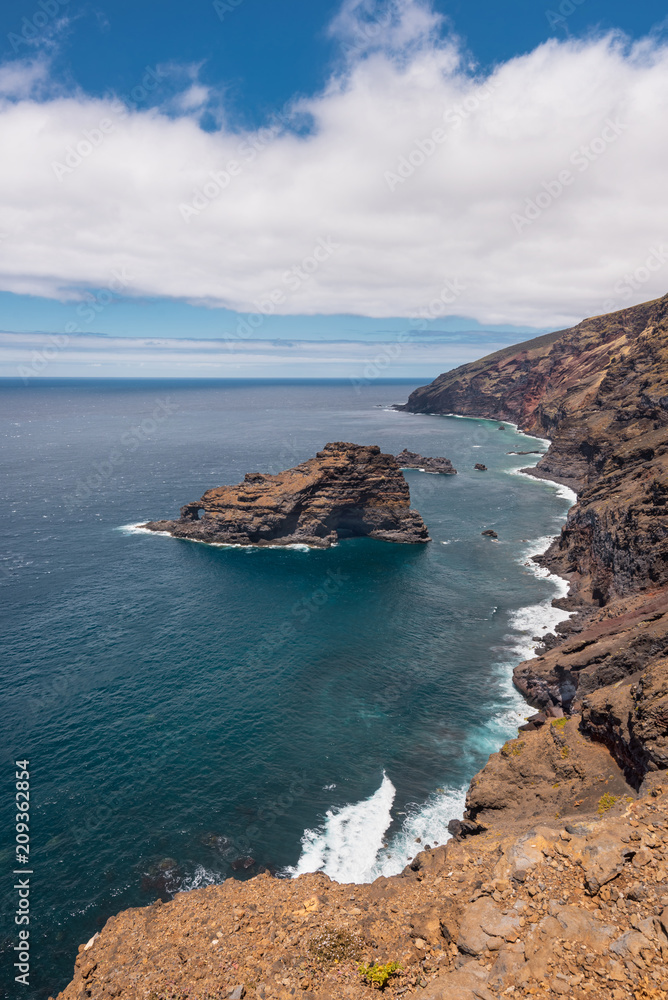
(555,882)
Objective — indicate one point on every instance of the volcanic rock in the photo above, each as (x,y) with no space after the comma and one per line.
(346,491)
(480,467)
(411,460)
(600,392)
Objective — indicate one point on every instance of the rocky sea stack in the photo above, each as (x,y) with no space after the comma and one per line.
(411,460)
(346,491)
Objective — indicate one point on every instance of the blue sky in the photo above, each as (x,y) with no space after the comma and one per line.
(345,208)
(263,52)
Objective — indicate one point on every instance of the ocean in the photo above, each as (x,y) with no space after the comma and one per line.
(188,709)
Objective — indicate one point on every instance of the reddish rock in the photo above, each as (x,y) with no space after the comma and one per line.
(347,491)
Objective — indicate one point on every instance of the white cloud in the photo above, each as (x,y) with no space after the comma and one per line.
(22,78)
(395,27)
(195,97)
(593,112)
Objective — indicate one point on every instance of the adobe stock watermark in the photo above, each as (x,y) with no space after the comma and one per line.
(42,358)
(582,158)
(440,305)
(246,153)
(33,26)
(266,817)
(291,281)
(632,282)
(559,18)
(225,7)
(423,149)
(300,614)
(96,302)
(130,440)
(210,190)
(92,138)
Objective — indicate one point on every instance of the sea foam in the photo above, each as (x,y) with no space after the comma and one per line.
(345,847)
(350,845)
(139,529)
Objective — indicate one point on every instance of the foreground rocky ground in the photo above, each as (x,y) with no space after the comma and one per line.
(576,909)
(556,881)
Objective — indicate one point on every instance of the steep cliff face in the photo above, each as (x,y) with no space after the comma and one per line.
(347,490)
(600,392)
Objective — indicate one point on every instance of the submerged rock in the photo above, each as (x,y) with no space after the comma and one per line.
(346,491)
(242,864)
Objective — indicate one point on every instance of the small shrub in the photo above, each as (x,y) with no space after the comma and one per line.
(513,748)
(606,801)
(378,975)
(559,723)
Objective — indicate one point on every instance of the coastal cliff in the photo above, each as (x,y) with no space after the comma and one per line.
(600,393)
(346,491)
(555,882)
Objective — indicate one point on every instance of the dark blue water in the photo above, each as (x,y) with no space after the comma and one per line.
(184,706)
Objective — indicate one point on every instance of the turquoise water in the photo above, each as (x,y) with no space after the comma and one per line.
(184,706)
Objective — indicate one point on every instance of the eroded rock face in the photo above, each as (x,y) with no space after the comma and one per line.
(346,491)
(600,392)
(411,460)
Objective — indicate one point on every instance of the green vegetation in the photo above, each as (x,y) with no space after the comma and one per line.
(378,975)
(559,723)
(513,748)
(606,801)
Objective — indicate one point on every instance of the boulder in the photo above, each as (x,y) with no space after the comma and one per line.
(411,460)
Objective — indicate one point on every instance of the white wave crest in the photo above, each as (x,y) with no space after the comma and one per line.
(541,618)
(564,492)
(350,846)
(346,845)
(429,823)
(139,529)
(200,877)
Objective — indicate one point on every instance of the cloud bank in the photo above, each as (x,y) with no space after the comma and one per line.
(536,192)
(29,356)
